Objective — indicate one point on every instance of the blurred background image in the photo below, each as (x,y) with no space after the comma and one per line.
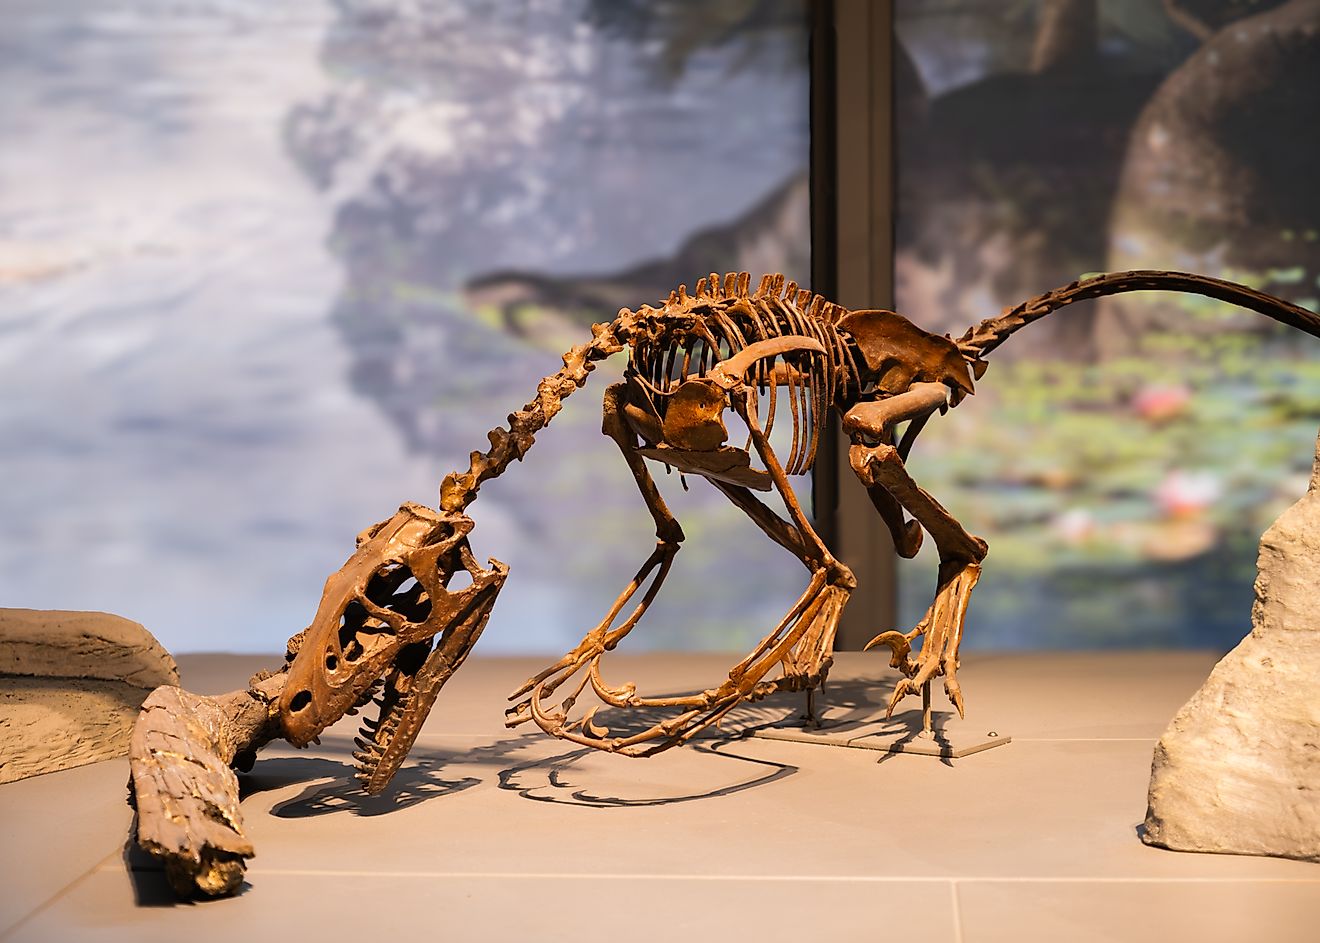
(268,270)
(1122,457)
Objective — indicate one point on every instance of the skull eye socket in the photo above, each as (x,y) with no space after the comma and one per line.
(394,587)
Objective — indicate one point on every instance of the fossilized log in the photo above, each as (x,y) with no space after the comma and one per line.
(184,788)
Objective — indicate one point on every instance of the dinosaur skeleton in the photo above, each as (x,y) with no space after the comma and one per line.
(403,613)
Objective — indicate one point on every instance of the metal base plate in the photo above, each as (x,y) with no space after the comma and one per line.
(952,738)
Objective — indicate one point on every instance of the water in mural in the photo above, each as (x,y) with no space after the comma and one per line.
(267,270)
(1124,458)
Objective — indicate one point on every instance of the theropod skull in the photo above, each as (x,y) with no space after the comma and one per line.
(390,619)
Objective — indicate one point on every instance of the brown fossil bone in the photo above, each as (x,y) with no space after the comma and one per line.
(395,620)
(183,787)
(875,369)
(389,629)
(388,616)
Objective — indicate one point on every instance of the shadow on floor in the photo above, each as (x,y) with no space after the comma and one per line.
(551,780)
(418,780)
(150,886)
(559,778)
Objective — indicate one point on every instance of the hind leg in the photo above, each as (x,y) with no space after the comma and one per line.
(960,553)
(800,645)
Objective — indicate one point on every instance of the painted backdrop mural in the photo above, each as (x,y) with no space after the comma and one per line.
(267,270)
(1122,458)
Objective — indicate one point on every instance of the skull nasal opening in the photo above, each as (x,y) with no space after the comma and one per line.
(353,630)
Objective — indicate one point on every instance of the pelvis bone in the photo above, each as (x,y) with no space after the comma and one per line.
(389,622)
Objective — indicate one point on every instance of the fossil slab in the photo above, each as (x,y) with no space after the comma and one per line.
(1238,770)
(71,684)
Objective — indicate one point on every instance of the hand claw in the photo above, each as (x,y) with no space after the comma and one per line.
(900,647)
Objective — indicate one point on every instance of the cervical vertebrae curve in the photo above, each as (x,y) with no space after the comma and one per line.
(765,354)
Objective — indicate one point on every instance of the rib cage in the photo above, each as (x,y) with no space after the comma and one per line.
(690,333)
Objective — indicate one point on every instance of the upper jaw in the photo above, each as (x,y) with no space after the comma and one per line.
(378,622)
(362,623)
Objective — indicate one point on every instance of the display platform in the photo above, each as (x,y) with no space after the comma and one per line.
(492,834)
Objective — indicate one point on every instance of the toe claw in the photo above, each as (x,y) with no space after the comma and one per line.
(954,691)
(901,690)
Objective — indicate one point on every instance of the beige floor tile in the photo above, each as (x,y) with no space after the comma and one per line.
(549,907)
(1139,912)
(1038,809)
(479,816)
(219,672)
(1082,695)
(56,827)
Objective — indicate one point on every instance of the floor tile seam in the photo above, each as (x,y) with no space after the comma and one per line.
(607,876)
(1017,739)
(753,878)
(1111,879)
(510,735)
(50,901)
(958,935)
(438,740)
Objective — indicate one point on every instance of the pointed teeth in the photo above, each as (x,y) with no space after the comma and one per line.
(369,746)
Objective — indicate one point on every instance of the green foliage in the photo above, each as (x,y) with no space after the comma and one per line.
(1120,516)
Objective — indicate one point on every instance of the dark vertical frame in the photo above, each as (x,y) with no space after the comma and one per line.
(852,252)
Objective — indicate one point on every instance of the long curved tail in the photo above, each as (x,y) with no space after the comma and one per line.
(459,489)
(990,333)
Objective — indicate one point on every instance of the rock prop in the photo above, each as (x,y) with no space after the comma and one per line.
(1238,770)
(71,684)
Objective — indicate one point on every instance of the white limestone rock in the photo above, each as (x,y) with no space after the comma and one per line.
(71,685)
(1238,769)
